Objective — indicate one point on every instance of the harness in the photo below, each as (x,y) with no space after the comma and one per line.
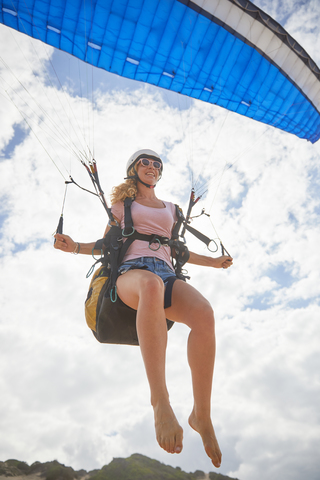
(115,248)
(108,317)
(117,242)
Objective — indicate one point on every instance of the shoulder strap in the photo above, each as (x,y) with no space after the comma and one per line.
(181,219)
(116,249)
(128,223)
(179,250)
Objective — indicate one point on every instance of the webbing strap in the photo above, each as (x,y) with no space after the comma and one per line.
(151,239)
(198,235)
(176,228)
(116,248)
(179,250)
(128,223)
(111,244)
(168,292)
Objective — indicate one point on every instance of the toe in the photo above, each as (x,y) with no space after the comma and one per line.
(178,446)
(215,457)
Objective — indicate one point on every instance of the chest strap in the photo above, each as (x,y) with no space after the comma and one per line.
(115,248)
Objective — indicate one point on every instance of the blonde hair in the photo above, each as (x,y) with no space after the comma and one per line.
(125,189)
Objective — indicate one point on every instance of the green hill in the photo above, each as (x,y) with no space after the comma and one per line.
(135,467)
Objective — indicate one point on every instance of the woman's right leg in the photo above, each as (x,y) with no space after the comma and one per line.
(144,291)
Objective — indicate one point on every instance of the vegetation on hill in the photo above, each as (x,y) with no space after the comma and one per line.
(135,467)
(48,470)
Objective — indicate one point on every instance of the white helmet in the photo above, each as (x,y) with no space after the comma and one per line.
(145,153)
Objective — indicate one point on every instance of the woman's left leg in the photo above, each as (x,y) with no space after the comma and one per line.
(144,291)
(192,309)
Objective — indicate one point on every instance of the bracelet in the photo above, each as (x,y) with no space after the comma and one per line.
(76,249)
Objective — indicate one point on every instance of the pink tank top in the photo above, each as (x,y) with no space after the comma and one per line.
(148,220)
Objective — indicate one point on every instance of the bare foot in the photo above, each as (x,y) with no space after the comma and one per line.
(168,431)
(206,431)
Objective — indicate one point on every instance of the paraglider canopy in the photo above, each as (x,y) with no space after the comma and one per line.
(225,52)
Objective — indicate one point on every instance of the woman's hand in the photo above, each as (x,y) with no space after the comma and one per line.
(222,262)
(64,243)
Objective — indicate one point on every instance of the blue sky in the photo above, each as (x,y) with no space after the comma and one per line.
(67,397)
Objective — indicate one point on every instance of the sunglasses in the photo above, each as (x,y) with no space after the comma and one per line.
(146,162)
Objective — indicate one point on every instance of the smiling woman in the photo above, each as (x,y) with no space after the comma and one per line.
(147,283)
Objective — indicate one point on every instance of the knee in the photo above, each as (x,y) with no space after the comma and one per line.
(205,317)
(208,313)
(152,285)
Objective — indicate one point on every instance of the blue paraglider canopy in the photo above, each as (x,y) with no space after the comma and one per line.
(225,52)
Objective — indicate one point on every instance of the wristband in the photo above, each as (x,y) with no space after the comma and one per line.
(76,249)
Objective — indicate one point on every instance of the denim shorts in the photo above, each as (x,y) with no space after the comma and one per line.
(154,265)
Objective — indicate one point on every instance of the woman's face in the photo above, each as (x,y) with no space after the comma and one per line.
(148,173)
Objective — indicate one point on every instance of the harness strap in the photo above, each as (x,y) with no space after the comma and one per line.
(116,248)
(168,292)
(176,228)
(198,235)
(111,244)
(179,250)
(128,223)
(151,239)
(131,234)
(180,256)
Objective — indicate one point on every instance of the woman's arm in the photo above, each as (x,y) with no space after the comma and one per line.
(220,262)
(66,244)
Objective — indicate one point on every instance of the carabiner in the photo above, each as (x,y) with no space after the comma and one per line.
(158,246)
(94,258)
(113,296)
(90,271)
(129,234)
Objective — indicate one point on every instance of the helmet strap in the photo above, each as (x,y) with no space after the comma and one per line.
(136,177)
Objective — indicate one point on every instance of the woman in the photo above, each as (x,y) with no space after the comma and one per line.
(141,285)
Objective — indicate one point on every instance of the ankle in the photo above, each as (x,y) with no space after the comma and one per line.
(201,414)
(160,401)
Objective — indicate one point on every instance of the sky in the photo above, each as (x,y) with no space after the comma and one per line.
(63,395)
